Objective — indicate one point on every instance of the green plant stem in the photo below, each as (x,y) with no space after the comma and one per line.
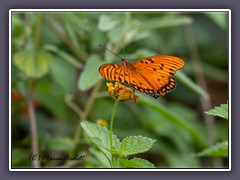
(69,58)
(114,160)
(111,122)
(37,31)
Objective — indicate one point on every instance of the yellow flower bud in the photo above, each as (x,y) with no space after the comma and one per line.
(102,122)
(121,92)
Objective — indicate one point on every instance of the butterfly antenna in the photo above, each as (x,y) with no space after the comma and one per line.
(111,51)
(123,52)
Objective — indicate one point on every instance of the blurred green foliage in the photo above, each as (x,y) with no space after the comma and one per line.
(58,54)
(117,152)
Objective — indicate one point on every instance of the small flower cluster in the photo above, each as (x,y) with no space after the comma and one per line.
(121,92)
(102,122)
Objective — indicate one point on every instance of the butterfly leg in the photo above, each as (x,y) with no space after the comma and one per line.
(134,95)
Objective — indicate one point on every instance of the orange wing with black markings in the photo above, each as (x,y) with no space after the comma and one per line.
(152,75)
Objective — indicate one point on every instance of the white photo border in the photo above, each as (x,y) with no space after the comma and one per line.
(121,10)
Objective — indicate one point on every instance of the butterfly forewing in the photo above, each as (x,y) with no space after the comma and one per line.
(152,75)
(115,72)
(163,63)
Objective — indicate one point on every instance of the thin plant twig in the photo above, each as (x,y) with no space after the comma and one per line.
(94,93)
(33,126)
(63,36)
(199,75)
(86,112)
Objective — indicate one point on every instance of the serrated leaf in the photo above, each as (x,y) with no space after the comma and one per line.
(135,144)
(136,163)
(33,64)
(99,135)
(221,111)
(99,142)
(90,75)
(218,150)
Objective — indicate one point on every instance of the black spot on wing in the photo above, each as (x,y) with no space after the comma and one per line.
(150,59)
(171,73)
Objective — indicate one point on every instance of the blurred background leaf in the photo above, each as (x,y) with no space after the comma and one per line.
(33,64)
(218,150)
(90,75)
(59,53)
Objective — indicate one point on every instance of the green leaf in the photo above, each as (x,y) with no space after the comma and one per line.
(70,30)
(99,135)
(171,115)
(190,84)
(63,73)
(90,75)
(135,144)
(61,144)
(221,111)
(119,33)
(213,72)
(220,18)
(218,150)
(34,64)
(116,35)
(107,23)
(96,37)
(64,55)
(101,157)
(136,163)
(163,23)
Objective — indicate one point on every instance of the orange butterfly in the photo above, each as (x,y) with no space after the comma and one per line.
(152,75)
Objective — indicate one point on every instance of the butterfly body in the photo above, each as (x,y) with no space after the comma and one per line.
(152,75)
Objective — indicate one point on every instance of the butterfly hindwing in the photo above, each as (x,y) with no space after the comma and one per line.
(159,70)
(152,75)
